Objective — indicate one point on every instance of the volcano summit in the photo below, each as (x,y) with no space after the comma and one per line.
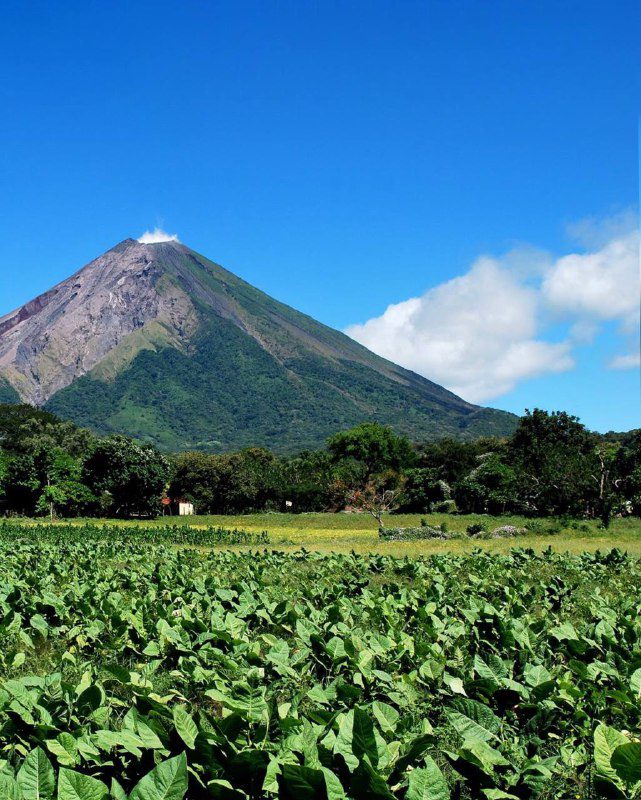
(156,341)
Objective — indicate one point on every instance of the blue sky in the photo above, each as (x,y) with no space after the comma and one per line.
(347,158)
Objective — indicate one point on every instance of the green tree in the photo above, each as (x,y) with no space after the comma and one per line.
(628,471)
(373,446)
(26,429)
(61,488)
(491,488)
(14,417)
(4,466)
(46,480)
(251,481)
(307,480)
(127,478)
(451,460)
(552,455)
(423,488)
(196,477)
(606,484)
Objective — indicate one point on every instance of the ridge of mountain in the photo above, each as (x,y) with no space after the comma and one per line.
(159,342)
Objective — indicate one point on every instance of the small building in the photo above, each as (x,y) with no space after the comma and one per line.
(177,506)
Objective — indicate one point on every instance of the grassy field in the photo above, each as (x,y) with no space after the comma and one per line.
(358,532)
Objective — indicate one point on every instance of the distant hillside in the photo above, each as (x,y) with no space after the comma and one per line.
(158,342)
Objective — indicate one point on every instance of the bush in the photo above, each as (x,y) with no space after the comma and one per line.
(580,526)
(408,534)
(476,529)
(446,507)
(507,530)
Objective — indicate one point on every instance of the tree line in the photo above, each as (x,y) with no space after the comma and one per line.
(552,465)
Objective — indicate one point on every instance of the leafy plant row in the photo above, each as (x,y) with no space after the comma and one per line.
(150,672)
(133,534)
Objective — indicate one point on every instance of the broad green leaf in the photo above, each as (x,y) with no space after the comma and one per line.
(479,753)
(135,723)
(301,783)
(333,787)
(185,726)
(536,674)
(90,700)
(117,792)
(427,783)
(386,716)
(635,683)
(270,782)
(223,790)
(167,781)
(76,786)
(454,684)
(9,789)
(357,738)
(626,761)
(126,739)
(487,674)
(606,741)
(18,660)
(36,777)
(336,649)
(474,721)
(65,749)
(39,623)
(367,784)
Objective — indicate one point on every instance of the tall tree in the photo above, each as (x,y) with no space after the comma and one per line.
(127,478)
(375,447)
(552,455)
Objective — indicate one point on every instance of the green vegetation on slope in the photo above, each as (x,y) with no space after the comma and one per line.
(7,393)
(228,392)
(257,372)
(173,673)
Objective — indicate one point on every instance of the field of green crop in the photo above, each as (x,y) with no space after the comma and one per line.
(132,667)
(358,532)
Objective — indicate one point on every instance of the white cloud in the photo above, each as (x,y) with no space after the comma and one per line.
(475,334)
(630,361)
(482,333)
(599,285)
(157,235)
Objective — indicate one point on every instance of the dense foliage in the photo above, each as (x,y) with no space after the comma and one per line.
(68,533)
(168,672)
(551,466)
(52,467)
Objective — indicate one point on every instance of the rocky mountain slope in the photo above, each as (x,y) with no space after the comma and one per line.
(156,341)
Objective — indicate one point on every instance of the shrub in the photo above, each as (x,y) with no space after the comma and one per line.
(504,531)
(476,529)
(446,507)
(405,534)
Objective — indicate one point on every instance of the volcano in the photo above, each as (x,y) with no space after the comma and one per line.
(160,343)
